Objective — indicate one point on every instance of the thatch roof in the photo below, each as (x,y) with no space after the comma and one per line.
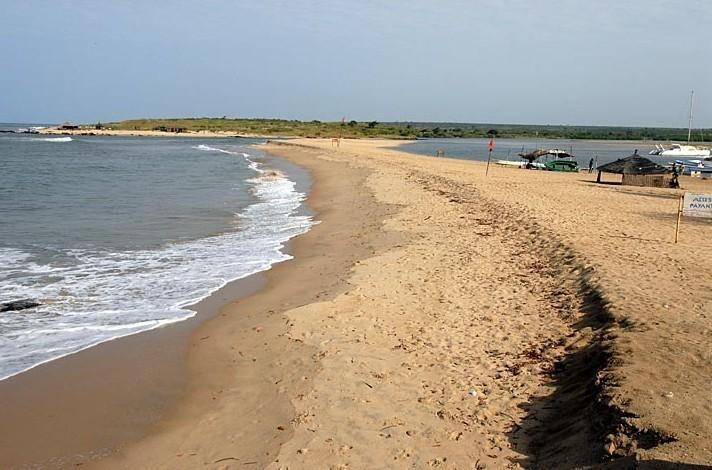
(533,155)
(634,165)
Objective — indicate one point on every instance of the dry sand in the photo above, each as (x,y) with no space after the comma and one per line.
(532,318)
(440,318)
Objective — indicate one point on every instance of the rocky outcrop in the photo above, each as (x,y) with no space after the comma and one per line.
(19,305)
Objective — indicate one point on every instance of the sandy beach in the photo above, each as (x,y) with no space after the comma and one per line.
(532,319)
(435,318)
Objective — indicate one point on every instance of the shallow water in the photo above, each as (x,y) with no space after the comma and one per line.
(508,149)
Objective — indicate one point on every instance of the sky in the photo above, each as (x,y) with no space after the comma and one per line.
(571,62)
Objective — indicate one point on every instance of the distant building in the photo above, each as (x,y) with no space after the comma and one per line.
(177,130)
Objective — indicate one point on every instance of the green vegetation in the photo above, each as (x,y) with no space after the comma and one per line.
(408,130)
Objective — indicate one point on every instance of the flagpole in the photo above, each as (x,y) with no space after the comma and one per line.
(341,131)
(490,147)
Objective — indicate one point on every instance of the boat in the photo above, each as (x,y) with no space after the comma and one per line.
(692,167)
(679,150)
(682,150)
(563,160)
(562,165)
(515,164)
(510,163)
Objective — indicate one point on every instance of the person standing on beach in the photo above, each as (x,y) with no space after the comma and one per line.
(674,182)
(590,165)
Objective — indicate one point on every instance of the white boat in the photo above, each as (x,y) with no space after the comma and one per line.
(519,164)
(681,150)
(516,164)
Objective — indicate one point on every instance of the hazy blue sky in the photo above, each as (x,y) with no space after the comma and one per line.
(550,62)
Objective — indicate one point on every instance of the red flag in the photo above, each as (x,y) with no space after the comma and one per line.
(490,146)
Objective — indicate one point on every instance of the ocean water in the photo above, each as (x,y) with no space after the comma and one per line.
(508,149)
(117,235)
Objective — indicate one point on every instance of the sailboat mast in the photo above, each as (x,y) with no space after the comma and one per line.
(689,124)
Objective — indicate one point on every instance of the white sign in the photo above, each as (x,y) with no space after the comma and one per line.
(697,205)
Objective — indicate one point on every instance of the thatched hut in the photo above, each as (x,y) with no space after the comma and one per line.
(638,171)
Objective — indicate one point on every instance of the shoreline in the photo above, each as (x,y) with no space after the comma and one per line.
(152,359)
(246,364)
(132,382)
(155,363)
(302,184)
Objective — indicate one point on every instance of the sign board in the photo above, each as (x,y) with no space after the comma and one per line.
(697,205)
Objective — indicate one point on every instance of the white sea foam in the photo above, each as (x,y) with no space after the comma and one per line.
(99,295)
(207,148)
(56,139)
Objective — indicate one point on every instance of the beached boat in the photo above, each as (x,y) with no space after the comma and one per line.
(557,154)
(562,165)
(511,163)
(515,164)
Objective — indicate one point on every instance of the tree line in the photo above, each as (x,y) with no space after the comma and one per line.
(408,130)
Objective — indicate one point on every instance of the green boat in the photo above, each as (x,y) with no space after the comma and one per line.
(562,165)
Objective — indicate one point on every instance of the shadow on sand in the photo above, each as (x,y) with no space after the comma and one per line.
(630,463)
(560,430)
(574,427)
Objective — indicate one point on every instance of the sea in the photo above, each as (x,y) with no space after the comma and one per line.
(118,235)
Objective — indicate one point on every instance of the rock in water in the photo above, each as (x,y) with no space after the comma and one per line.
(18,305)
